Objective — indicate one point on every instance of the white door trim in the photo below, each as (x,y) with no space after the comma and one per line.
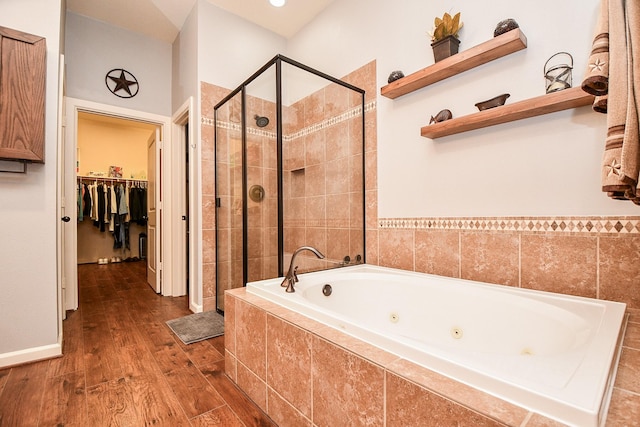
(73,107)
(183,115)
(62,204)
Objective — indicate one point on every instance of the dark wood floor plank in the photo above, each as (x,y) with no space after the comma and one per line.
(4,376)
(65,401)
(90,300)
(123,329)
(72,348)
(202,353)
(222,416)
(100,353)
(111,403)
(170,357)
(137,361)
(193,391)
(218,343)
(22,395)
(123,366)
(137,401)
(237,400)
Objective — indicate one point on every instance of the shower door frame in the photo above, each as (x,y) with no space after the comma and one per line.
(277,61)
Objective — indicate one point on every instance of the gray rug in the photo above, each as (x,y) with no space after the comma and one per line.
(197,327)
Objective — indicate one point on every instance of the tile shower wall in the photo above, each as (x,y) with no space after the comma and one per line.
(322,152)
(323,166)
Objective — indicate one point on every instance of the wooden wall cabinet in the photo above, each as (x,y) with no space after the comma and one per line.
(22,96)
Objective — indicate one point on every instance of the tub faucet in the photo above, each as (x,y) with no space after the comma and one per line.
(291,278)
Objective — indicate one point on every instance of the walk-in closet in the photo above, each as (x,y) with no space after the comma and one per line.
(112,180)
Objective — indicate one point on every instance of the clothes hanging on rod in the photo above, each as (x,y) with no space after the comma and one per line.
(113,202)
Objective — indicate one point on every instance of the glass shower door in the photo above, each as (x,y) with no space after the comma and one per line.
(262,177)
(229,203)
(289,173)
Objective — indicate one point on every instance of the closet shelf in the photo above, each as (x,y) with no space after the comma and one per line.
(549,103)
(502,45)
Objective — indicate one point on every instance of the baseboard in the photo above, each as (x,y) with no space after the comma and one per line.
(196,308)
(30,355)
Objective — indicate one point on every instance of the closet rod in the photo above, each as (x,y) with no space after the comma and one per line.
(105,178)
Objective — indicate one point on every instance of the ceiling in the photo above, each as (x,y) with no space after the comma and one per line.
(163,19)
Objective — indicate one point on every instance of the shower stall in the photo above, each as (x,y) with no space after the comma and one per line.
(289,160)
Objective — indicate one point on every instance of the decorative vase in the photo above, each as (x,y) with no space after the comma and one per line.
(445,47)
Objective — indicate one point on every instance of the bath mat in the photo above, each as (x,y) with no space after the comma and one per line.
(197,327)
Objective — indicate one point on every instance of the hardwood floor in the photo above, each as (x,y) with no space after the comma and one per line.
(122,365)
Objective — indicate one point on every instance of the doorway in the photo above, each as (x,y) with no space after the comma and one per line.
(162,247)
(184,182)
(112,161)
(187,190)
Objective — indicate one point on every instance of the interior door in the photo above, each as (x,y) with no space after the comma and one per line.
(68,202)
(62,197)
(154,208)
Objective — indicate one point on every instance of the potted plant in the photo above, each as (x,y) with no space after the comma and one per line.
(445,36)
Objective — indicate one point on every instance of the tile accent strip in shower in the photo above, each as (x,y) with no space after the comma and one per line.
(354,112)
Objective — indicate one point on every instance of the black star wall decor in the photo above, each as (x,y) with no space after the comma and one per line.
(119,80)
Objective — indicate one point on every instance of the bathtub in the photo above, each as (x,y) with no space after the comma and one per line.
(550,353)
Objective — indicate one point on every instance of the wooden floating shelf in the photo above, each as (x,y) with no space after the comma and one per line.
(545,104)
(502,45)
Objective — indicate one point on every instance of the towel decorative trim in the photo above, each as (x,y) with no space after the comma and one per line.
(613,77)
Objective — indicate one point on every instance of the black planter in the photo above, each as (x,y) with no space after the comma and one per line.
(445,47)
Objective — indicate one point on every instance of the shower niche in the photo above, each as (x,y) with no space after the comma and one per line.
(289,147)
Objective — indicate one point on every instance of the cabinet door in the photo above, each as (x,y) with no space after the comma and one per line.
(22,95)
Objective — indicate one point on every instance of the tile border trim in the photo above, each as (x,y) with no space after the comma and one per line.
(588,225)
(349,114)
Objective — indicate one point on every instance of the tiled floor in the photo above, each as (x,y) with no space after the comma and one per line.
(122,366)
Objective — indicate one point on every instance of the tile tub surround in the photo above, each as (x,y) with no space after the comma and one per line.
(304,373)
(595,257)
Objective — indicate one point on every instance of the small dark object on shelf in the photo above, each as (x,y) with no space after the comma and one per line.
(445,48)
(441,116)
(395,75)
(505,26)
(493,102)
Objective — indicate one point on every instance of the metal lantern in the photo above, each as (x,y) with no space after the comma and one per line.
(558,77)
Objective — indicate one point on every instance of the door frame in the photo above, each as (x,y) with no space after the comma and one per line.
(70,256)
(182,116)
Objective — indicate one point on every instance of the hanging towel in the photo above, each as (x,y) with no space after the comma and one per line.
(615,79)
(596,80)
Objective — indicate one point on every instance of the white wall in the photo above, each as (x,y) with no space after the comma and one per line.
(93,48)
(226,50)
(231,49)
(549,165)
(185,62)
(29,214)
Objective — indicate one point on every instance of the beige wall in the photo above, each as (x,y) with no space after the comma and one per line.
(104,142)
